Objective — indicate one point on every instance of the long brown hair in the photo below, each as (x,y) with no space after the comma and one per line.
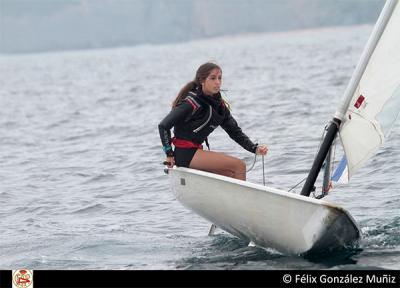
(201,75)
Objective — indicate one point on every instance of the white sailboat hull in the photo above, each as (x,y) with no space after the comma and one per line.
(268,217)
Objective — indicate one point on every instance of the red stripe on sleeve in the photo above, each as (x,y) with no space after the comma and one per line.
(191,103)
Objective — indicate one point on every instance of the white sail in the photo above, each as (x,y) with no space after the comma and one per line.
(375,102)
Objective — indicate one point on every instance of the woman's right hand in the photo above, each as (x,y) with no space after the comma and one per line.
(170,162)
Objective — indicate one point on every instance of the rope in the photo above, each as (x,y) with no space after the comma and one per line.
(297,184)
(263,170)
(254,162)
(263,166)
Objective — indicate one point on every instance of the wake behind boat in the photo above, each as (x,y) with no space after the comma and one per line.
(268,217)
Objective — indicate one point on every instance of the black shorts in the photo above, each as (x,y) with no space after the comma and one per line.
(183,156)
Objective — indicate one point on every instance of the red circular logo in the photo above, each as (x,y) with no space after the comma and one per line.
(22,278)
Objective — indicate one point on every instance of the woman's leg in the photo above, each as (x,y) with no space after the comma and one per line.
(219,163)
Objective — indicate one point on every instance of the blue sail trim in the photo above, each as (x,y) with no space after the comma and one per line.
(341,174)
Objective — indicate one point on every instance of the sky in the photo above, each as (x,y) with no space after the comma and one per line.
(47,25)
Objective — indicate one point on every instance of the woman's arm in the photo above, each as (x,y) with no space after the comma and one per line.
(178,114)
(235,132)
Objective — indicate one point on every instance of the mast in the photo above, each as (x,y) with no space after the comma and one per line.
(348,95)
(320,158)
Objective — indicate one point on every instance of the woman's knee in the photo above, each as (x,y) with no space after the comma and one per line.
(240,170)
(240,165)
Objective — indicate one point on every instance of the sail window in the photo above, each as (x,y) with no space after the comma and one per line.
(390,112)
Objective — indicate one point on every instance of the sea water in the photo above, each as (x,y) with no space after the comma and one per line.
(81,180)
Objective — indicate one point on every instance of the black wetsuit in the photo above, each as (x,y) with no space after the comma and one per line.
(196,117)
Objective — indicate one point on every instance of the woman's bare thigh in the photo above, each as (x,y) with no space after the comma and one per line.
(219,163)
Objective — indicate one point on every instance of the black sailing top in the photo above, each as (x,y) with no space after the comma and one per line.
(196,117)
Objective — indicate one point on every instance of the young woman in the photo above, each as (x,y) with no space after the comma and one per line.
(196,112)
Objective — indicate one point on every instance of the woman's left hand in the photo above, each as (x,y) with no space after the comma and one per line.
(262,150)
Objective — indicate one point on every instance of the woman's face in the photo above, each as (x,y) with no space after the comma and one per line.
(213,82)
